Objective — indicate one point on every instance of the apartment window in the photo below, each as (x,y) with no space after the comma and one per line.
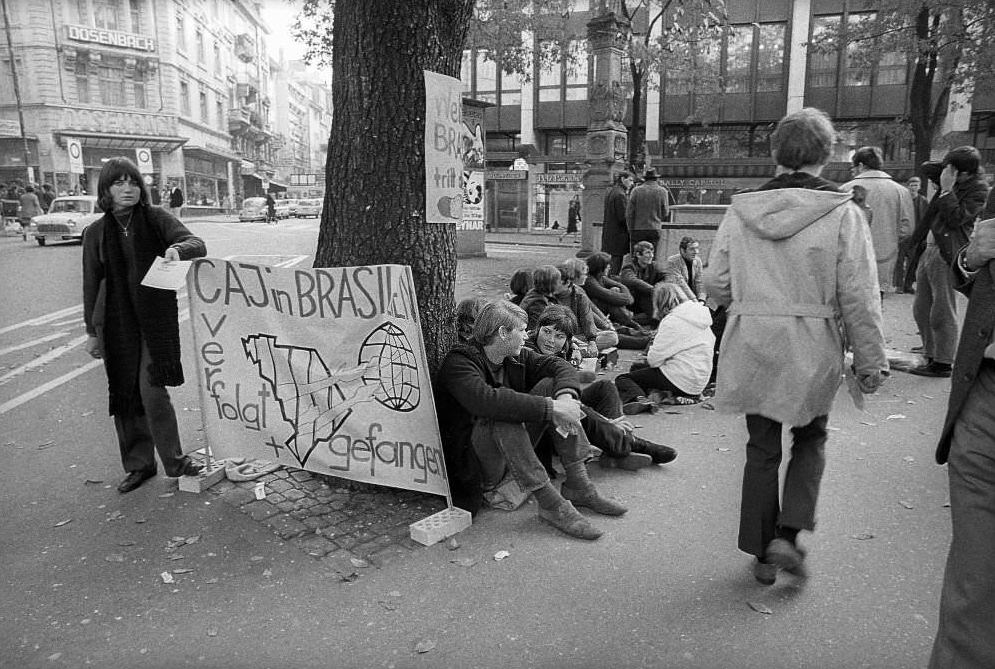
(111,80)
(82,82)
(770,58)
(6,81)
(699,72)
(550,73)
(822,66)
(576,64)
(486,77)
(83,12)
(185,98)
(203,107)
(858,67)
(107,14)
(739,48)
(892,69)
(134,9)
(219,108)
(199,38)
(217,59)
(140,100)
(511,89)
(181,32)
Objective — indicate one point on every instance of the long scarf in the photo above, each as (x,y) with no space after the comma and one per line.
(137,314)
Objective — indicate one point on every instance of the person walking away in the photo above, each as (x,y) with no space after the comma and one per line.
(891,203)
(615,232)
(29,208)
(965,636)
(793,262)
(134,328)
(946,227)
(908,255)
(646,210)
(573,220)
(270,209)
(176,201)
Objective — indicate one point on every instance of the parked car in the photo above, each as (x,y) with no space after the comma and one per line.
(66,219)
(253,209)
(306,208)
(292,204)
(282,209)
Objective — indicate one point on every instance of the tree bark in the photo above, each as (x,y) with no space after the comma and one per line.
(636,130)
(374,209)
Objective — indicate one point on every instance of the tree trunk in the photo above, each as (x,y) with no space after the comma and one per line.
(374,209)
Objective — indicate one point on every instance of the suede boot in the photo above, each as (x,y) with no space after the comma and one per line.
(630,462)
(568,520)
(661,454)
(579,490)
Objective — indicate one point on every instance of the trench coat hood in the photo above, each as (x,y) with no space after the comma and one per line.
(783,213)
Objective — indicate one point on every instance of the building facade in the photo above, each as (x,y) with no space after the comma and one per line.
(706,144)
(303,120)
(185,81)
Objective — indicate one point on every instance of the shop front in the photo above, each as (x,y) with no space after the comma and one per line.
(12,165)
(208,183)
(557,199)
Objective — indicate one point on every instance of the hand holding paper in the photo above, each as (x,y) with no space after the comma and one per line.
(166,273)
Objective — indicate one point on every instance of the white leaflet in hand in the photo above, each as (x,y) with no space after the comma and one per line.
(167,275)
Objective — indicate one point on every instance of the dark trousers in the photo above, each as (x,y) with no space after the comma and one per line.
(616,265)
(760,511)
(904,273)
(139,437)
(636,384)
(966,633)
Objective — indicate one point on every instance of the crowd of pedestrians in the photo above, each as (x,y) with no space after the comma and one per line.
(794,280)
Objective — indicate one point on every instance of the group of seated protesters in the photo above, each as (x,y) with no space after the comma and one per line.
(499,401)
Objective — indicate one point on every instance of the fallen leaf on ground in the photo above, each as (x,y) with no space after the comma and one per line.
(500,555)
(183,570)
(167,494)
(192,540)
(867,422)
(929,397)
(174,557)
(167,577)
(267,572)
(722,449)
(465,562)
(126,543)
(256,558)
(115,557)
(394,593)
(896,416)
(863,536)
(63,522)
(212,631)
(349,578)
(760,608)
(708,405)
(359,562)
(907,505)
(452,544)
(92,482)
(115,515)
(47,444)
(909,458)
(387,606)
(424,646)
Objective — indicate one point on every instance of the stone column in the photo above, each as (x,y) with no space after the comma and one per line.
(606,135)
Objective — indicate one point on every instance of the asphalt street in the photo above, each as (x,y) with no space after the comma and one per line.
(82,566)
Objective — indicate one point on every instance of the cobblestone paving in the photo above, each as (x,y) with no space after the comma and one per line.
(327,517)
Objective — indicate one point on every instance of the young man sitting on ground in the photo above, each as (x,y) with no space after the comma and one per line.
(494,400)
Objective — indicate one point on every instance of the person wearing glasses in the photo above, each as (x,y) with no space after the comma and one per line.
(134,328)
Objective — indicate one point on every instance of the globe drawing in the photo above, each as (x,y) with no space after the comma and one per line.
(395,367)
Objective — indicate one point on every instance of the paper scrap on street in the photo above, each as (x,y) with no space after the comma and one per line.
(167,275)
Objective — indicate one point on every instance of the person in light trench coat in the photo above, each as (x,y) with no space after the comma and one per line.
(795,266)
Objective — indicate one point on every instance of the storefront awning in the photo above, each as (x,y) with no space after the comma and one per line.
(112,140)
(274,186)
(202,151)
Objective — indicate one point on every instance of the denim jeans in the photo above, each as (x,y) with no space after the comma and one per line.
(935,307)
(504,447)
(635,384)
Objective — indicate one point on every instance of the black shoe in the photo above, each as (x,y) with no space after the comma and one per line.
(637,405)
(787,556)
(133,480)
(661,454)
(937,369)
(191,468)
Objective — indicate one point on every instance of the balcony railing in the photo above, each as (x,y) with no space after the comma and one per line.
(245,48)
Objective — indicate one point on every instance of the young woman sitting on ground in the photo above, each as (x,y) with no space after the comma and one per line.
(680,357)
(602,405)
(594,326)
(520,285)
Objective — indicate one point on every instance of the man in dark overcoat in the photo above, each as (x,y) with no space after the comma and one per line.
(615,233)
(966,633)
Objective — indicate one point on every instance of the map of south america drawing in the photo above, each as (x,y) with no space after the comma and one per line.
(315,401)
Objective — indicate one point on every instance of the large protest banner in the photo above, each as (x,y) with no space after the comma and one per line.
(322,369)
(443,148)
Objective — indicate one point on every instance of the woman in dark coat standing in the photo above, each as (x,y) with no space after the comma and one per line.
(134,328)
(614,233)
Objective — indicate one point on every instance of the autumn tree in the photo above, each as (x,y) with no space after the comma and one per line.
(950,45)
(374,210)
